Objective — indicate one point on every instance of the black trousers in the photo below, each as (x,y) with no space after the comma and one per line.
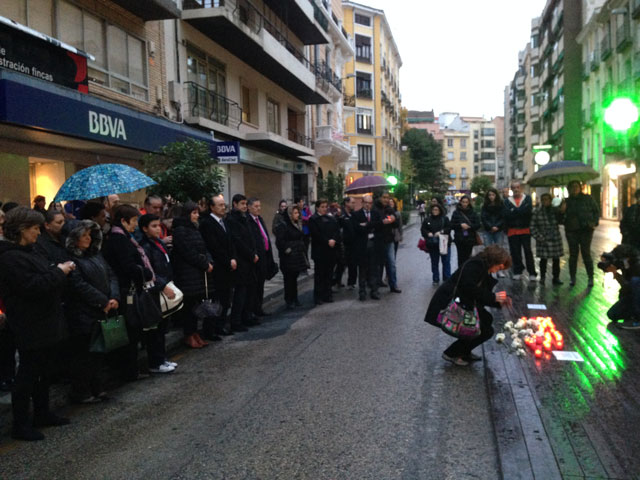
(154,341)
(32,382)
(350,265)
(464,252)
(463,347)
(323,272)
(242,303)
(189,320)
(518,244)
(555,267)
(290,287)
(368,270)
(7,355)
(580,242)
(87,368)
(258,296)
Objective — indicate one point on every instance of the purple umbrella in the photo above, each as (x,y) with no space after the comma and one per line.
(367,184)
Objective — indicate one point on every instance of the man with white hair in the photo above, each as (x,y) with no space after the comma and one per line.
(368,247)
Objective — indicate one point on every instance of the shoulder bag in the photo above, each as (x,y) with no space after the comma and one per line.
(457,321)
(168,305)
(478,240)
(143,309)
(108,335)
(207,308)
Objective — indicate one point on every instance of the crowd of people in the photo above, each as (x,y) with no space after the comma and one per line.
(65,269)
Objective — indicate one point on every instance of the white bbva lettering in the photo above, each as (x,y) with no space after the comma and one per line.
(106,126)
(227,149)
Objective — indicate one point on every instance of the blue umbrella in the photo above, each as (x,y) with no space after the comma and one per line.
(102,180)
(561,173)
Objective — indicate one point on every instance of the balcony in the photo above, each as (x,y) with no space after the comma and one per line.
(331,142)
(534,82)
(605,47)
(520,81)
(203,103)
(635,8)
(464,175)
(299,138)
(623,37)
(535,138)
(305,19)
(594,61)
(151,9)
(586,71)
(520,103)
(247,34)
(521,128)
(453,175)
(365,130)
(365,93)
(535,110)
(295,144)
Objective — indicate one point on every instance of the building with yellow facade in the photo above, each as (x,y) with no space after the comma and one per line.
(372,97)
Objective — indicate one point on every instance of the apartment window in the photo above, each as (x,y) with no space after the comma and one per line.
(449,142)
(449,155)
(489,155)
(463,143)
(363,20)
(463,184)
(463,156)
(363,49)
(488,144)
(273,116)
(488,132)
(535,40)
(363,121)
(464,172)
(363,85)
(247,104)
(365,157)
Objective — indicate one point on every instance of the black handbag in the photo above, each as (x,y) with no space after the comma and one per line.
(143,309)
(207,308)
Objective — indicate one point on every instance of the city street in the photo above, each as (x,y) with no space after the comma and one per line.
(347,390)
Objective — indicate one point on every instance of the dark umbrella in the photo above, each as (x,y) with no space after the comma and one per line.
(561,173)
(367,184)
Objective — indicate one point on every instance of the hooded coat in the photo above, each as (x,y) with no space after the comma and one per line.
(32,293)
(290,243)
(92,283)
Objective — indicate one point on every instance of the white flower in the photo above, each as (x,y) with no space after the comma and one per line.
(508,325)
(520,324)
(516,344)
(500,337)
(521,352)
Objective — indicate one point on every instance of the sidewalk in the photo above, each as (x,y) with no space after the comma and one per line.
(563,419)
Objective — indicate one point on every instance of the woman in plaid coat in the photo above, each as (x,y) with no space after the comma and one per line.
(544,228)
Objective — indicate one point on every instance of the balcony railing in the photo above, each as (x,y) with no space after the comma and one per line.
(202,102)
(605,47)
(349,100)
(324,73)
(594,61)
(365,130)
(365,166)
(623,36)
(364,93)
(300,138)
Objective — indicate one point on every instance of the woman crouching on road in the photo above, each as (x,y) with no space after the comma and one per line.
(474,287)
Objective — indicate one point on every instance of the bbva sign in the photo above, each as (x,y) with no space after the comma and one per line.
(106,125)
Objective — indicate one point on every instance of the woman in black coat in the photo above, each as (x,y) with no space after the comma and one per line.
(32,292)
(93,293)
(492,216)
(465,223)
(191,261)
(158,255)
(434,226)
(293,255)
(473,284)
(133,269)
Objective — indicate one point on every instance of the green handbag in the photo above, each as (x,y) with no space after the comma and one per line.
(109,335)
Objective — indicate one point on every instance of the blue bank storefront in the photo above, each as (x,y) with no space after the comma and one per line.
(48,132)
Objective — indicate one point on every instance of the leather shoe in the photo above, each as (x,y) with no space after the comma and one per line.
(191,342)
(396,290)
(375,296)
(50,420)
(262,313)
(362,298)
(239,328)
(199,339)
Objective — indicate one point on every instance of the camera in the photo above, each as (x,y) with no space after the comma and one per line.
(623,257)
(609,259)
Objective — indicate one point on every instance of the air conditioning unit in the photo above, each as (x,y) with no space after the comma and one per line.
(175,92)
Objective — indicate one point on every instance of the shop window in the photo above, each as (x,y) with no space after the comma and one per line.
(273,117)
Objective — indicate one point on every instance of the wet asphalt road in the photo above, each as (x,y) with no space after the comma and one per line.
(348,390)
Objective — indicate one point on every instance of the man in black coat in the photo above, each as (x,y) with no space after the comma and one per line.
(388,258)
(246,257)
(325,235)
(348,239)
(266,265)
(215,231)
(368,246)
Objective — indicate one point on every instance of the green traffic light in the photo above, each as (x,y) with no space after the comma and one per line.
(392,180)
(621,114)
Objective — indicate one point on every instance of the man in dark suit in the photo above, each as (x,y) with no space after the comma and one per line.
(348,239)
(266,264)
(215,231)
(246,257)
(325,236)
(368,246)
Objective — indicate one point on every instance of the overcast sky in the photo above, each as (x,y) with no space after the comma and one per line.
(458,55)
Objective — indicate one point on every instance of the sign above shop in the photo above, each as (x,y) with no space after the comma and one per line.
(228,152)
(31,53)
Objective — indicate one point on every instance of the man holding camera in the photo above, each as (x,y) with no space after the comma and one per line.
(624,258)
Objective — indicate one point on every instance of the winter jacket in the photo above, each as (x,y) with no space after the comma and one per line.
(190,259)
(362,229)
(92,284)
(290,243)
(582,213)
(160,261)
(474,289)
(435,224)
(278,219)
(518,216)
(245,246)
(323,228)
(468,216)
(265,264)
(492,216)
(220,246)
(544,228)
(50,248)
(630,225)
(387,229)
(347,230)
(32,291)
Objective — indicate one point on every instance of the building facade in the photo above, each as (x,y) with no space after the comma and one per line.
(373,93)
